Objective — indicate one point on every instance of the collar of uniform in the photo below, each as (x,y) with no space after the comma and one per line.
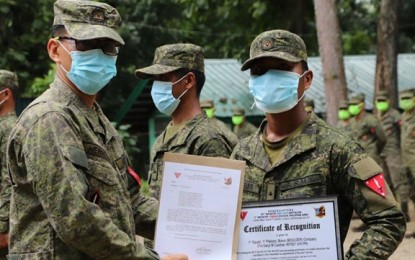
(181,136)
(92,114)
(7,116)
(298,145)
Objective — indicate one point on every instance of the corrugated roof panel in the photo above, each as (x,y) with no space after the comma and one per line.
(227,85)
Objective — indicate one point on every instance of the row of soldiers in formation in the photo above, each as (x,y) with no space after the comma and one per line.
(74,195)
(387,135)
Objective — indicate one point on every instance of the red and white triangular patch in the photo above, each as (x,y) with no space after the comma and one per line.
(377,184)
(243,214)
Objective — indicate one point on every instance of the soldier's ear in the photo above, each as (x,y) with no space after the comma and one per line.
(53,47)
(190,80)
(308,78)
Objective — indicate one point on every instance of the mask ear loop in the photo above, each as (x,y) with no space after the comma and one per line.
(302,96)
(179,81)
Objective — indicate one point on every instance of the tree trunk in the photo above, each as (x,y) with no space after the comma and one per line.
(331,53)
(386,55)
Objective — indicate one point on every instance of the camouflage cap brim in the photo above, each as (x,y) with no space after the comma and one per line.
(156,69)
(84,31)
(406,95)
(279,55)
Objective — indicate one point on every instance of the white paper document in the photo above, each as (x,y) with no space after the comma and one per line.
(199,208)
(304,229)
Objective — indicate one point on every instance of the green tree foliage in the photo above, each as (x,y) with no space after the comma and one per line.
(24,30)
(358,22)
(225,28)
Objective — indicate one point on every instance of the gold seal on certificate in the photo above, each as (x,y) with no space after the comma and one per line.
(290,229)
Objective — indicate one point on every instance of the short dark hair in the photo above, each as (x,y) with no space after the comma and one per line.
(304,65)
(200,78)
(57,30)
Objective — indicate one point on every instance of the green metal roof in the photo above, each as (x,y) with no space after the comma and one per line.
(227,85)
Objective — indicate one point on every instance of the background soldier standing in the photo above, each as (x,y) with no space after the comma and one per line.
(242,127)
(9,91)
(178,74)
(209,107)
(407,103)
(294,154)
(390,119)
(344,116)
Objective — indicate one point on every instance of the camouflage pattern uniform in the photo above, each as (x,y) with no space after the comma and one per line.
(408,149)
(72,197)
(321,161)
(197,136)
(6,124)
(324,161)
(368,132)
(390,121)
(245,129)
(226,133)
(8,80)
(344,125)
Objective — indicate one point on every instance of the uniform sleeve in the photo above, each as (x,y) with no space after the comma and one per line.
(145,215)
(5,185)
(385,222)
(61,187)
(215,147)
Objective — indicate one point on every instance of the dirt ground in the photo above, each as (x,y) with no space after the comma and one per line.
(406,249)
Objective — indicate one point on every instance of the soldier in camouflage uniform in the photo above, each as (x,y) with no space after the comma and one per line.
(368,132)
(294,154)
(9,90)
(390,119)
(407,104)
(178,74)
(242,128)
(366,128)
(343,116)
(209,107)
(73,194)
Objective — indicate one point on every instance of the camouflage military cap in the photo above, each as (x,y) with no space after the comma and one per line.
(207,103)
(309,102)
(406,93)
(8,79)
(279,44)
(382,95)
(357,98)
(86,20)
(171,57)
(238,111)
(343,104)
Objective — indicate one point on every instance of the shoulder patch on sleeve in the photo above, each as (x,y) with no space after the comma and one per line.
(371,187)
(367,168)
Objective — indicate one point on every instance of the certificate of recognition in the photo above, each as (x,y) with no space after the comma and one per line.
(290,229)
(200,203)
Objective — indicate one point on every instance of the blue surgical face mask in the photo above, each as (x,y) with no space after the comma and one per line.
(91,70)
(163,98)
(275,91)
